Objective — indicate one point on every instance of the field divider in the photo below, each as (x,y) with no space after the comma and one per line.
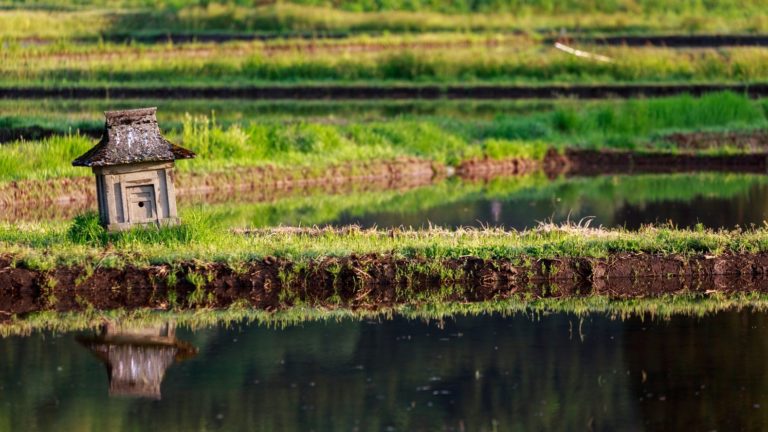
(354,92)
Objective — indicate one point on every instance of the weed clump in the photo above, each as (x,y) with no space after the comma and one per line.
(86,229)
(196,227)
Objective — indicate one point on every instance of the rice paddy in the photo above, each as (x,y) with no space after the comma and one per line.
(402,215)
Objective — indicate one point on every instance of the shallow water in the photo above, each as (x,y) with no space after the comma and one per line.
(711,199)
(556,372)
(742,209)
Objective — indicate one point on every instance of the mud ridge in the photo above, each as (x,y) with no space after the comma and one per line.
(341,92)
(749,141)
(670,41)
(598,162)
(372,281)
(392,173)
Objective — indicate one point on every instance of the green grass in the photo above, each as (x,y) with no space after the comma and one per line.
(510,62)
(65,114)
(318,144)
(47,245)
(31,19)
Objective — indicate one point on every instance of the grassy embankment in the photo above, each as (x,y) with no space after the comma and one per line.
(623,125)
(191,266)
(36,119)
(63,19)
(47,245)
(388,60)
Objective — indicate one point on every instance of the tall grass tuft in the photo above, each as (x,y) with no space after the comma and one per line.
(196,227)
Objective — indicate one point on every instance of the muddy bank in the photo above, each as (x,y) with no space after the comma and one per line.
(70,209)
(372,281)
(598,162)
(671,41)
(755,141)
(578,162)
(82,190)
(489,168)
(342,92)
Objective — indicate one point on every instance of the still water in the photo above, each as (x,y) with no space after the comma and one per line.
(713,200)
(483,373)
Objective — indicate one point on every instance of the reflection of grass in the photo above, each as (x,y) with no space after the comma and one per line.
(318,209)
(661,307)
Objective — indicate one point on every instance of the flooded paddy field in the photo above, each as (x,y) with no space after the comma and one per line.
(480,372)
(453,217)
(714,200)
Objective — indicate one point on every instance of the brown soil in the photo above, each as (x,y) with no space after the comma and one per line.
(672,41)
(372,281)
(752,141)
(350,92)
(595,162)
(81,191)
(489,168)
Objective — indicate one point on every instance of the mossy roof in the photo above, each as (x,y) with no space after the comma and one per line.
(132,136)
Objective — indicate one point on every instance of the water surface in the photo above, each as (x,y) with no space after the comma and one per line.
(556,372)
(711,199)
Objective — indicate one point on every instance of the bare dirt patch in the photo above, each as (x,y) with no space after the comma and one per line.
(81,191)
(755,141)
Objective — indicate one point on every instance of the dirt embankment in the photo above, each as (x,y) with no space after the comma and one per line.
(597,162)
(755,141)
(670,41)
(396,173)
(578,162)
(372,281)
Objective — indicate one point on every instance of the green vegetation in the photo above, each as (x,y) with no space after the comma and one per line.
(489,61)
(65,114)
(135,18)
(46,245)
(633,124)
